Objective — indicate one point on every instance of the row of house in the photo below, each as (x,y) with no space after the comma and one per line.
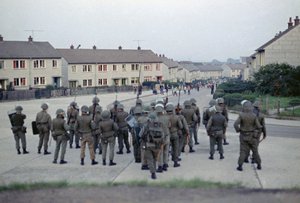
(32,64)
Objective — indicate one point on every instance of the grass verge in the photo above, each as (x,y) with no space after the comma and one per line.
(176,183)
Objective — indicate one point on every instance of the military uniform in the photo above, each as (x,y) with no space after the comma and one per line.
(175,125)
(220,102)
(189,114)
(209,112)
(96,131)
(136,142)
(108,129)
(197,122)
(60,135)
(142,121)
(43,122)
(123,129)
(246,124)
(183,133)
(19,129)
(72,114)
(216,126)
(84,127)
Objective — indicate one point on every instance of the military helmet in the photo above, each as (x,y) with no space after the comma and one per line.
(139,102)
(220,100)
(105,114)
(73,104)
(84,109)
(138,110)
(60,111)
(243,102)
(256,104)
(146,109)
(212,102)
(116,102)
(120,106)
(152,116)
(98,109)
(44,106)
(159,108)
(19,108)
(187,103)
(96,100)
(247,106)
(159,101)
(169,107)
(193,100)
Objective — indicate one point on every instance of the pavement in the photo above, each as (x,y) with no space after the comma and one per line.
(280,155)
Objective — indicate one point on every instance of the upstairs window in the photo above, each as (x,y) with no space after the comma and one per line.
(114,67)
(54,63)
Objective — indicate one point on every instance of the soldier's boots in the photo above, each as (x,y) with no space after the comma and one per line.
(39,151)
(46,152)
(197,143)
(246,160)
(176,164)
(24,151)
(100,151)
(94,162)
(19,152)
(252,160)
(211,157)
(63,162)
(120,152)
(159,169)
(137,160)
(71,146)
(145,167)
(191,150)
(239,168)
(111,163)
(128,151)
(82,162)
(54,161)
(153,175)
(165,167)
(222,156)
(225,142)
(77,146)
(103,162)
(259,166)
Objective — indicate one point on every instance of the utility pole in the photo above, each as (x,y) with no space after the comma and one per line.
(33,31)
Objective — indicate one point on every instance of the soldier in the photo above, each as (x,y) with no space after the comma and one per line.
(123,129)
(18,128)
(59,130)
(114,110)
(138,103)
(197,122)
(183,133)
(190,116)
(43,122)
(152,104)
(108,129)
(84,127)
(142,120)
(72,114)
(246,124)
(92,108)
(216,126)
(152,135)
(209,112)
(176,125)
(96,131)
(93,112)
(163,158)
(220,102)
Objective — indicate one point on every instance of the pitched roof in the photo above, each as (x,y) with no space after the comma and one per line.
(238,66)
(209,67)
(93,56)
(261,48)
(169,62)
(27,50)
(188,66)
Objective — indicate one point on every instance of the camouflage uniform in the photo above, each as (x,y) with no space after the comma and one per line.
(123,129)
(43,122)
(246,124)
(72,115)
(143,121)
(84,126)
(215,130)
(183,133)
(108,129)
(197,122)
(59,130)
(19,129)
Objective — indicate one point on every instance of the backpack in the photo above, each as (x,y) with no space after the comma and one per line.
(156,133)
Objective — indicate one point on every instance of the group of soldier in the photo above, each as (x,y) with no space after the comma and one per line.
(157,131)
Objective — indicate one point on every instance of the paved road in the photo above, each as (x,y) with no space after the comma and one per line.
(280,152)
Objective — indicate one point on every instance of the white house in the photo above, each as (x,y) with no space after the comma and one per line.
(233,70)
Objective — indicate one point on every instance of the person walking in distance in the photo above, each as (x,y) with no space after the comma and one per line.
(43,122)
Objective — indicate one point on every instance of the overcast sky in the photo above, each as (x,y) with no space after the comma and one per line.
(196,30)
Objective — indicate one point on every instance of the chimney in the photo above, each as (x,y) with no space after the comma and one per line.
(1,38)
(296,21)
(94,47)
(290,23)
(139,48)
(30,39)
(120,48)
(72,46)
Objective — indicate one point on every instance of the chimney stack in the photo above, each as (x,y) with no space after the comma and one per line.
(72,46)
(30,39)
(1,38)
(120,48)
(290,23)
(139,48)
(94,47)
(296,20)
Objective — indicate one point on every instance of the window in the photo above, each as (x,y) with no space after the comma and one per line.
(104,67)
(158,67)
(87,68)
(42,63)
(147,78)
(147,68)
(22,64)
(73,68)
(100,68)
(54,63)
(114,67)
(19,81)
(1,64)
(86,83)
(35,63)
(134,67)
(16,82)
(16,64)
(134,80)
(123,67)
(90,82)
(39,81)
(102,81)
(23,81)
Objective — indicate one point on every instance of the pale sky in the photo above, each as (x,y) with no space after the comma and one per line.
(195,30)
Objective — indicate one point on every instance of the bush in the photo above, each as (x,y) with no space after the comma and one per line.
(294,102)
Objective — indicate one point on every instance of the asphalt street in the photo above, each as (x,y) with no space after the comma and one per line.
(279,152)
